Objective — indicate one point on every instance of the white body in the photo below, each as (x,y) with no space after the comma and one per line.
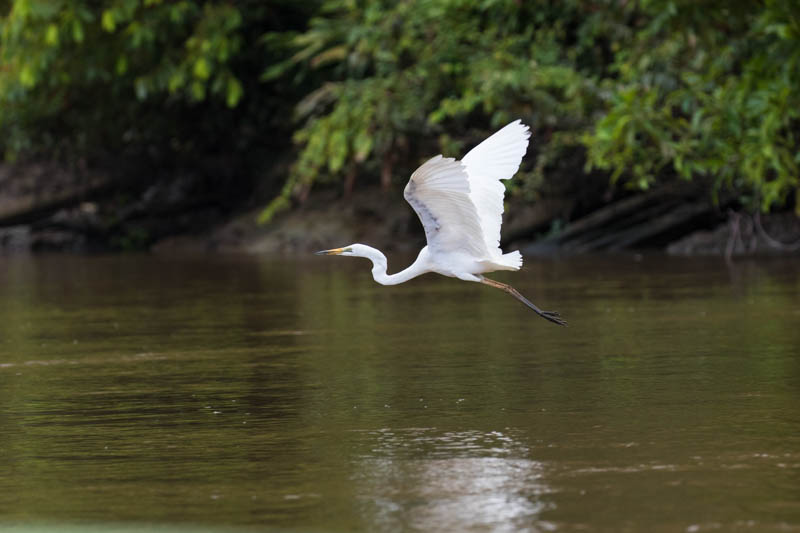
(455,265)
(460,205)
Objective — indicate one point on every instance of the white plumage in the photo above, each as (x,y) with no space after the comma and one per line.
(460,205)
(440,193)
(497,158)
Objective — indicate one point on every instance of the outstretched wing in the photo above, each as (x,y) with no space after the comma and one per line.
(439,191)
(497,158)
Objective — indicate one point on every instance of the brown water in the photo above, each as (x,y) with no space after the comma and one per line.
(298,395)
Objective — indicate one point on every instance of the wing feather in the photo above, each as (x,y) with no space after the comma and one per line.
(439,192)
(496,158)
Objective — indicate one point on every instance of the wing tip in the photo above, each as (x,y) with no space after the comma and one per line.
(526,130)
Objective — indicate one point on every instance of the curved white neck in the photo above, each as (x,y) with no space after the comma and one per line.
(379,266)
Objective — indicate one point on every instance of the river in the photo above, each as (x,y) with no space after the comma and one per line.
(296,395)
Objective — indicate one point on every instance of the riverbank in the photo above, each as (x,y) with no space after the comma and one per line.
(44,207)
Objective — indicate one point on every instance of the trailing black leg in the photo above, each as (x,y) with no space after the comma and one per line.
(552,316)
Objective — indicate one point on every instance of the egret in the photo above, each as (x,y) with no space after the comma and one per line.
(460,205)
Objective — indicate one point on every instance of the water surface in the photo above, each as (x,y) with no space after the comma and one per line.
(273,394)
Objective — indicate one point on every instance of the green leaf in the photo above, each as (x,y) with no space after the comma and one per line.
(337,150)
(176,81)
(198,91)
(51,35)
(234,92)
(362,145)
(107,21)
(201,69)
(27,76)
(77,31)
(122,65)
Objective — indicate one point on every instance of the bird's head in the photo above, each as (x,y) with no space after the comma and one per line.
(357,250)
(346,250)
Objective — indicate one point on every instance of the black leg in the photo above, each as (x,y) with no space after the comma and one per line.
(552,316)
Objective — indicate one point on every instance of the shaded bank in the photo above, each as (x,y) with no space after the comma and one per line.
(44,207)
(127,205)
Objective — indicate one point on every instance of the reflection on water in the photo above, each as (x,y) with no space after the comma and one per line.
(456,481)
(297,395)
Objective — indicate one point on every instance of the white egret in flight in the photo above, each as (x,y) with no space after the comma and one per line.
(460,204)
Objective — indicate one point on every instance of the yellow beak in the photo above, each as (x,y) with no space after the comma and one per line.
(335,251)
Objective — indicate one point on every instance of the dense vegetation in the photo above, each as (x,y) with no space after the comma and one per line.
(650,91)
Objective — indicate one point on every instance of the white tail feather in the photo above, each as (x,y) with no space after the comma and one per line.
(513,260)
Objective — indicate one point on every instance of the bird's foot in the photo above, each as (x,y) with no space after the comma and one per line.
(554,317)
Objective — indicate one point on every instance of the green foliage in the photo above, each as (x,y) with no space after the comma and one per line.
(707,90)
(393,77)
(55,52)
(78,77)
(653,90)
